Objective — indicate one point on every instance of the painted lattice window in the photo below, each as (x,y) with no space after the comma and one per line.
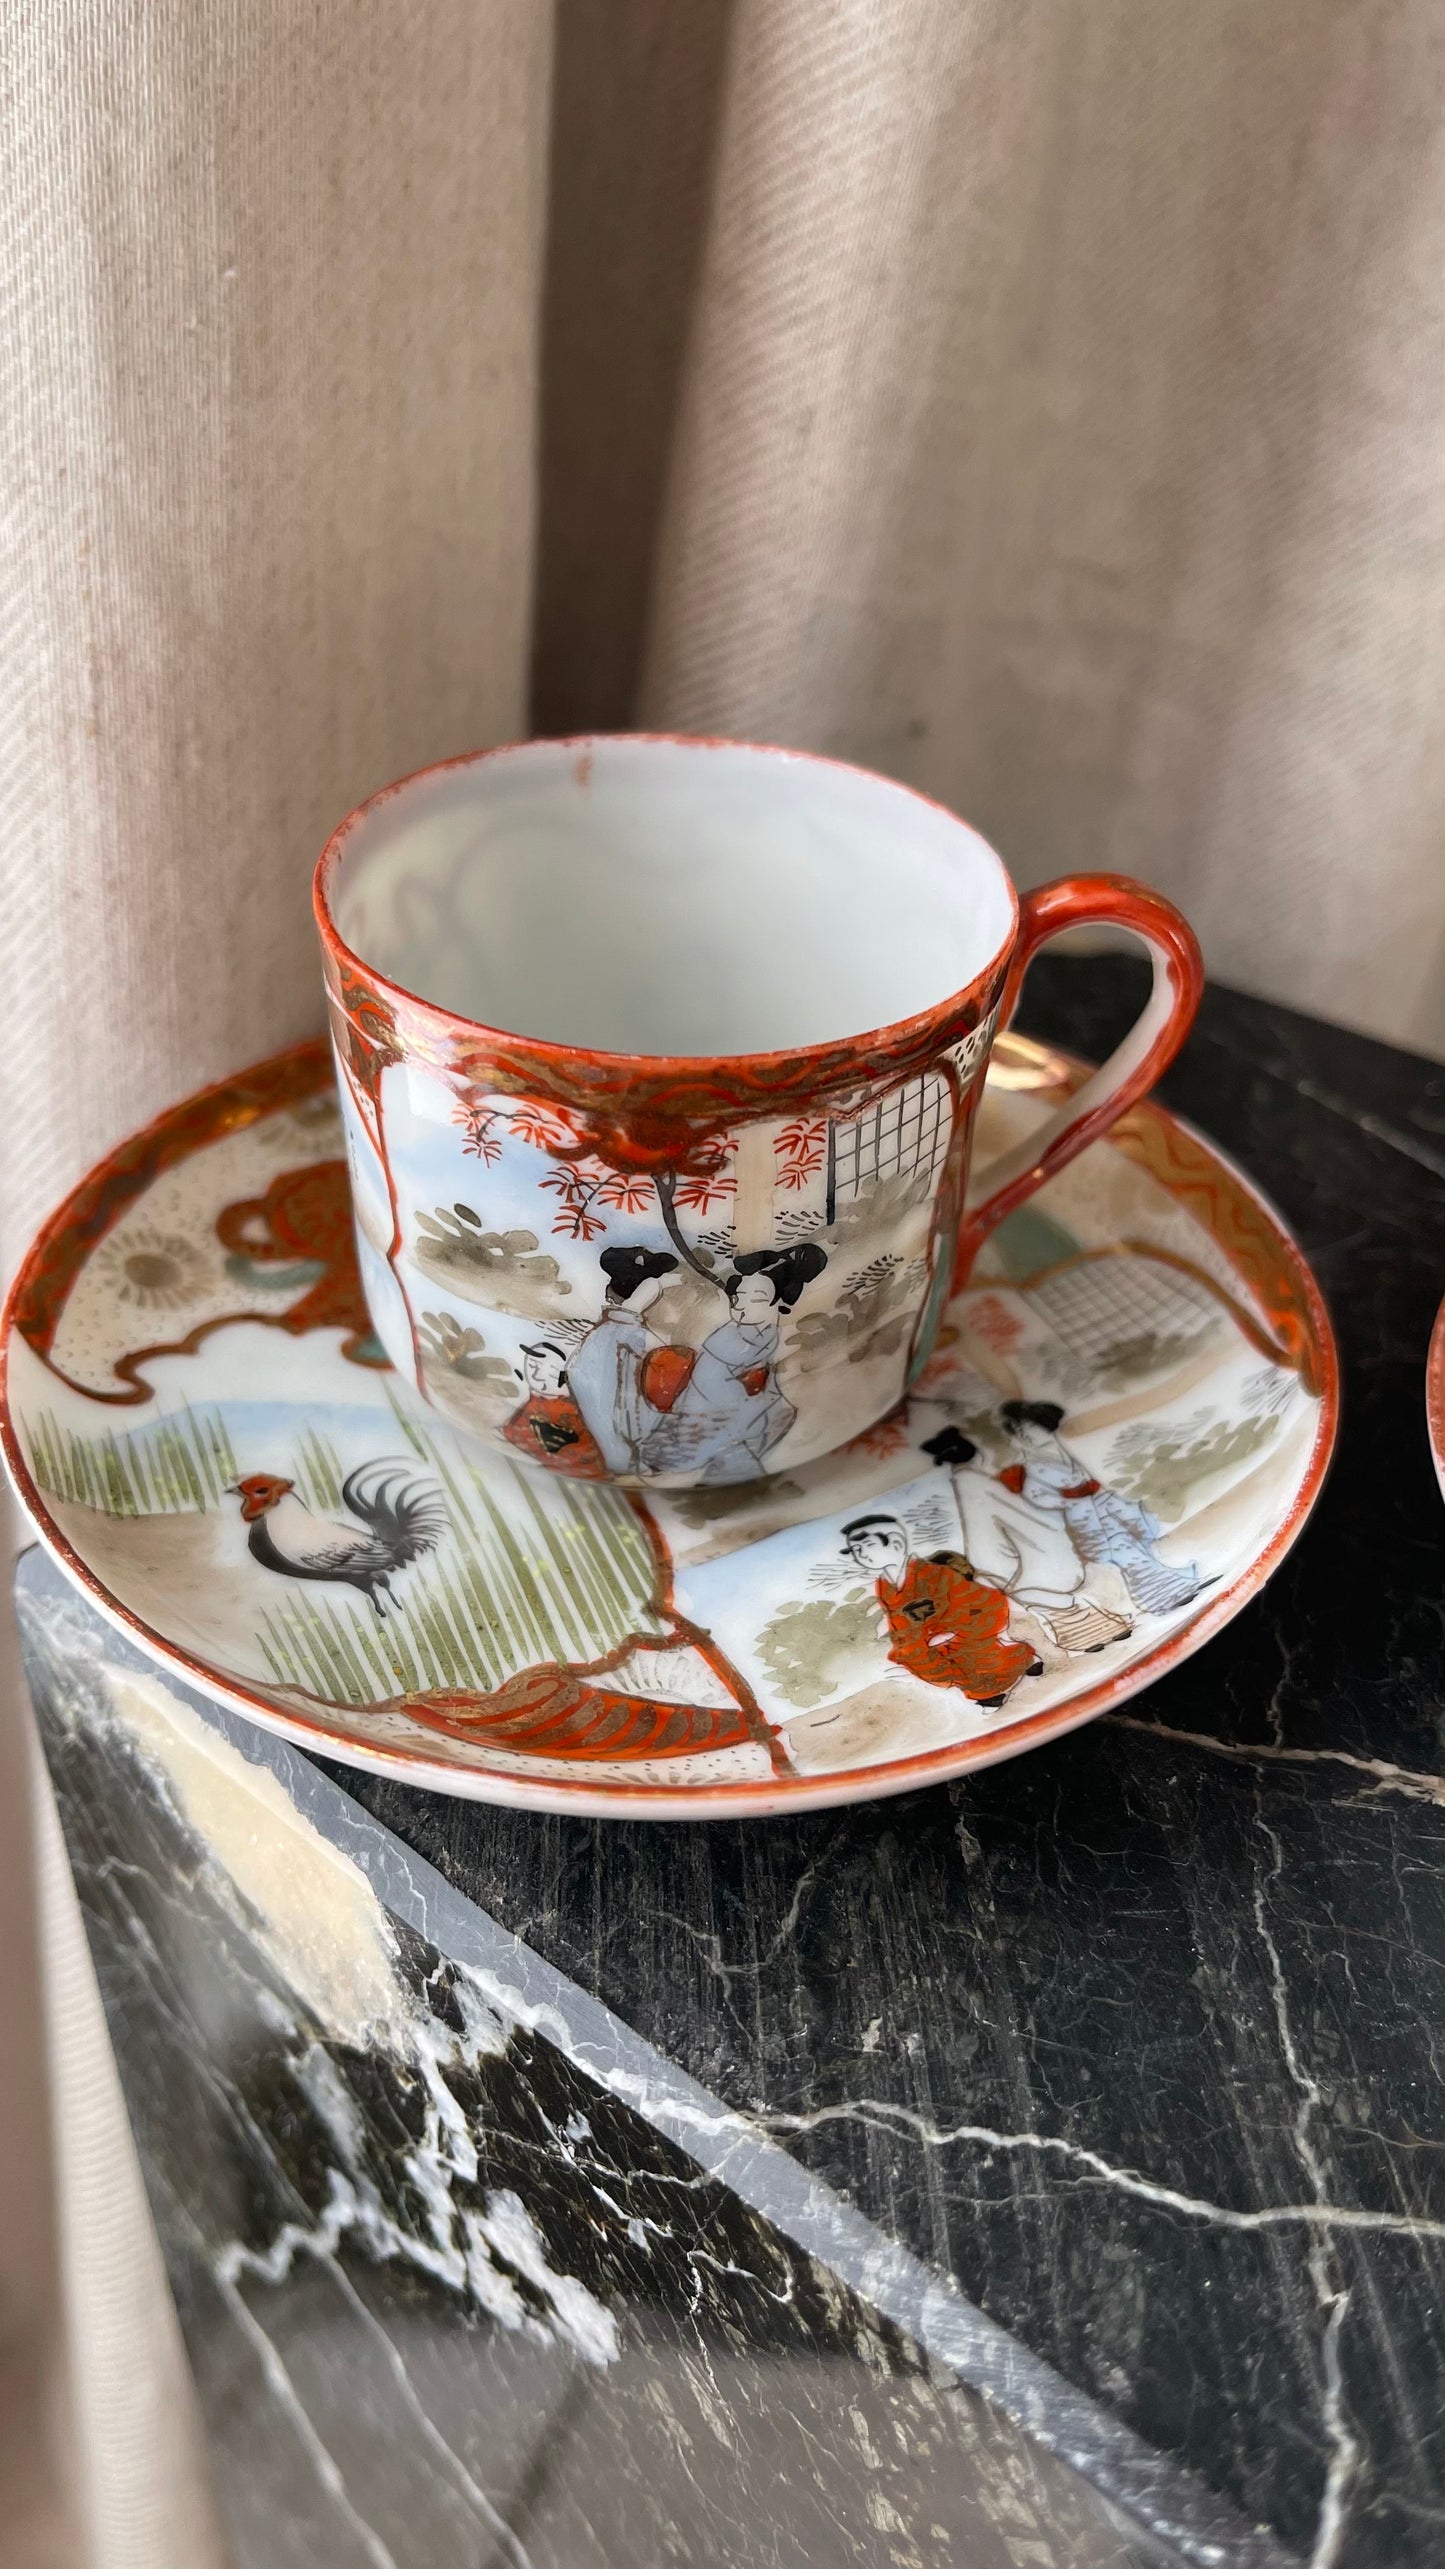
(905,1134)
(1095,1304)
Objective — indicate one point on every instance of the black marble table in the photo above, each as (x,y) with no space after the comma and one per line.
(1046,2170)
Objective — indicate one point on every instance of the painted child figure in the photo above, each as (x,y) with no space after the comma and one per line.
(1025,1549)
(549,1427)
(1101,1525)
(943,1624)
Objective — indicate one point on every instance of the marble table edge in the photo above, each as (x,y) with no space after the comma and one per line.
(1156,2495)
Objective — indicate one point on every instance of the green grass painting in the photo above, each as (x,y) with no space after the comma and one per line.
(533,1569)
(317,1470)
(179,1465)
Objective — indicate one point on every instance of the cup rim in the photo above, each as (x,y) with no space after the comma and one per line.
(901,1038)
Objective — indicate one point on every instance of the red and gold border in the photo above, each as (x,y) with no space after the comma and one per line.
(1436,1396)
(62,1247)
(638,1111)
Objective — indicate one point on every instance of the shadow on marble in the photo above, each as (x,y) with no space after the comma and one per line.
(467,2274)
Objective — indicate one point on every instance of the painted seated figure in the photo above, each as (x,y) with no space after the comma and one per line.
(943,1624)
(1025,1549)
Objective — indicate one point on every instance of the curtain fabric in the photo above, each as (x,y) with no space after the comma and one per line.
(271,279)
(1037,399)
(1060,431)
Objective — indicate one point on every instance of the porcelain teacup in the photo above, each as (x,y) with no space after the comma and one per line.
(659,1060)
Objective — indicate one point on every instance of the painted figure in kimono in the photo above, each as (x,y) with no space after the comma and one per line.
(549,1427)
(1024,1548)
(1101,1525)
(726,1416)
(944,1625)
(605,1375)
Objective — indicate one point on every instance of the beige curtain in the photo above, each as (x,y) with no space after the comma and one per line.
(1038,399)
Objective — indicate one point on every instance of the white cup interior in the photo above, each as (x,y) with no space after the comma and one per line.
(660,896)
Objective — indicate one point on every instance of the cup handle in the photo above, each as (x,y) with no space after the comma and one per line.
(1090,900)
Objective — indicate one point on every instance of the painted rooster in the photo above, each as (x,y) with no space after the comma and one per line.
(397,1520)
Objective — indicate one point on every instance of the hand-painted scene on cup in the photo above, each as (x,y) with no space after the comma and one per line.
(734,1315)
(1121,1417)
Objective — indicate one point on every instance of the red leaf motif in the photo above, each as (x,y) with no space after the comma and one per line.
(804,1138)
(700,1194)
(628,1194)
(574,1222)
(800,1149)
(476,1123)
(886,1435)
(543,1127)
(996,1325)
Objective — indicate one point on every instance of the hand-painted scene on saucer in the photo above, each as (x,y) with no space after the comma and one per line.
(1124,1420)
(735,1314)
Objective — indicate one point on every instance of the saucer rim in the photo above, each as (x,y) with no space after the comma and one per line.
(1436,1396)
(760,1799)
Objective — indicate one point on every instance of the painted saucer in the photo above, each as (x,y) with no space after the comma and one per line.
(1436,1396)
(1122,1429)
